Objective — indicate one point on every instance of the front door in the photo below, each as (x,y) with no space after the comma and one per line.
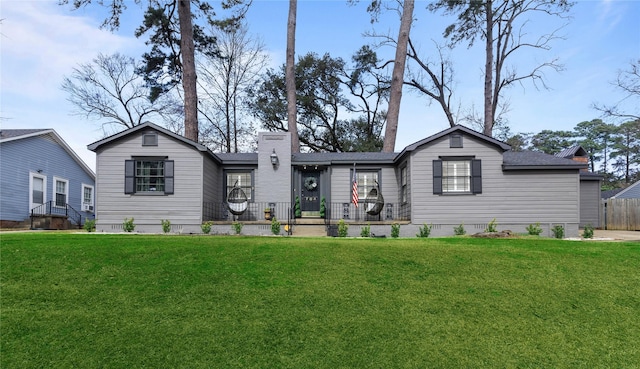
(310,199)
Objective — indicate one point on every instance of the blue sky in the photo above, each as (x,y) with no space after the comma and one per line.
(40,43)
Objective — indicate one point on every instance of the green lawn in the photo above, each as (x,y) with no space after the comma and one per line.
(138,301)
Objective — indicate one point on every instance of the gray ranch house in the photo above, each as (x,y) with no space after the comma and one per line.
(457,176)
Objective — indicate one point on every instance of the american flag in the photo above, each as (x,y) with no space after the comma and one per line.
(354,189)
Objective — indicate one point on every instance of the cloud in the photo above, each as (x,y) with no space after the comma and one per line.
(41,42)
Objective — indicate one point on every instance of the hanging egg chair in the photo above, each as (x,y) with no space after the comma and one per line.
(374,202)
(237,200)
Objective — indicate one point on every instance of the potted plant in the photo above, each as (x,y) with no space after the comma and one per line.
(296,208)
(267,213)
(323,207)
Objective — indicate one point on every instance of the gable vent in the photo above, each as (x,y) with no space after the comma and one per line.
(150,139)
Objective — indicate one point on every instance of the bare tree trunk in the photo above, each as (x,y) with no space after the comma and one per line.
(188,71)
(397,78)
(488,72)
(290,72)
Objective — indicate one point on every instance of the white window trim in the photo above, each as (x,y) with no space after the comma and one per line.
(93,196)
(66,187)
(33,175)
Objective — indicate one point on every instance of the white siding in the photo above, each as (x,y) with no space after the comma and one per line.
(182,208)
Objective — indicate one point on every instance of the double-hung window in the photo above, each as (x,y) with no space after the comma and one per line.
(367,180)
(149,176)
(61,188)
(457,175)
(87,197)
(403,184)
(241,179)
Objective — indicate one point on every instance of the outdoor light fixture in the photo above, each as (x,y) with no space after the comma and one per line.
(274,158)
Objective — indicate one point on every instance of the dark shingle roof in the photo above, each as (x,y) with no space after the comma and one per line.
(537,160)
(238,158)
(502,145)
(343,157)
(610,193)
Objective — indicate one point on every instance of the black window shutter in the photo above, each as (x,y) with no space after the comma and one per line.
(129,176)
(168,177)
(476,176)
(437,177)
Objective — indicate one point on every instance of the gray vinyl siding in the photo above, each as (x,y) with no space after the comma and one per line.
(183,207)
(21,157)
(213,182)
(590,203)
(341,183)
(516,197)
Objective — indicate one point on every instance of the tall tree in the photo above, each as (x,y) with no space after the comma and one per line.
(434,79)
(397,77)
(595,137)
(290,75)
(187,49)
(328,120)
(626,149)
(627,82)
(174,39)
(500,24)
(224,79)
(109,90)
(552,142)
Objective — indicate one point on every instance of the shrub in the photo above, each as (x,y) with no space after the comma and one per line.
(275,226)
(395,230)
(166,225)
(237,227)
(588,231)
(492,227)
(365,231)
(459,230)
(128,225)
(90,225)
(343,228)
(534,229)
(206,227)
(425,231)
(558,231)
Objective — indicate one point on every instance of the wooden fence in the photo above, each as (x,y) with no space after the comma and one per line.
(622,214)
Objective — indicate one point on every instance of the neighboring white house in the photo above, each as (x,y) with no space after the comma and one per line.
(457,176)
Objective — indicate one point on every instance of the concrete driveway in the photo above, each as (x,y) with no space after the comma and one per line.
(616,235)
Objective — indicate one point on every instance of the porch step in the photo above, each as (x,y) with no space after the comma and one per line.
(309,230)
(310,221)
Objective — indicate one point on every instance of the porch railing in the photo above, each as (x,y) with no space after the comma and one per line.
(349,212)
(218,211)
(50,208)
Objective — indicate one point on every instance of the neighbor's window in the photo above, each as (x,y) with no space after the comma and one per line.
(87,197)
(242,180)
(61,188)
(37,191)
